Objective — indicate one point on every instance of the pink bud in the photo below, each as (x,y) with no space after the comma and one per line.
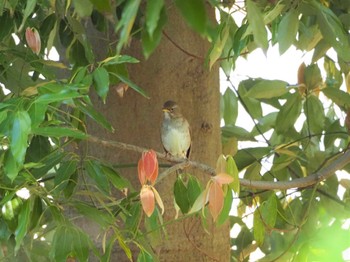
(148,167)
(33,40)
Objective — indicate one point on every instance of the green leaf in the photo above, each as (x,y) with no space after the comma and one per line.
(289,113)
(119,59)
(194,13)
(133,219)
(194,189)
(153,13)
(83,8)
(127,81)
(252,104)
(37,113)
(180,194)
(312,76)
(126,23)
(219,43)
(230,104)
(39,148)
(268,210)
(257,25)
(232,170)
(332,31)
(101,217)
(267,89)
(150,42)
(144,256)
(21,128)
(225,212)
(63,174)
(54,92)
(23,222)
(95,172)
(248,156)
(287,30)
(101,80)
(53,131)
(30,5)
(258,227)
(70,241)
(236,131)
(314,112)
(334,77)
(87,108)
(102,5)
(339,97)
(117,181)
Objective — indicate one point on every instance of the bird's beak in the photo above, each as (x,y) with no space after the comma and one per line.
(165,110)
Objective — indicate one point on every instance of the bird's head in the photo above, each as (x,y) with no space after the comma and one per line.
(171,109)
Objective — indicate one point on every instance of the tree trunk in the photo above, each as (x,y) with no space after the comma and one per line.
(171,73)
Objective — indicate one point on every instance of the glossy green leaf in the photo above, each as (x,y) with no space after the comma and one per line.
(225,212)
(119,59)
(153,13)
(51,160)
(194,189)
(102,5)
(101,80)
(257,25)
(332,31)
(87,108)
(252,104)
(55,93)
(180,194)
(54,131)
(95,172)
(101,217)
(219,43)
(312,76)
(334,76)
(63,174)
(23,222)
(288,29)
(289,113)
(339,97)
(144,256)
(194,13)
(83,8)
(126,22)
(258,227)
(314,112)
(69,240)
(232,170)
(30,5)
(150,42)
(248,156)
(230,111)
(37,113)
(236,131)
(268,210)
(131,84)
(117,180)
(133,219)
(39,148)
(21,128)
(267,89)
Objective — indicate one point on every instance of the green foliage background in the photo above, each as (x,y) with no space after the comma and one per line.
(41,117)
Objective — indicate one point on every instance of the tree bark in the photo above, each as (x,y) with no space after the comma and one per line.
(172,74)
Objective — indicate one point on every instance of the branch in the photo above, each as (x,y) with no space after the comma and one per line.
(310,180)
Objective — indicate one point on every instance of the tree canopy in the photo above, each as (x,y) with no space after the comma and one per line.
(287,183)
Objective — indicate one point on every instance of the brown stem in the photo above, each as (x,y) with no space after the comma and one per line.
(310,180)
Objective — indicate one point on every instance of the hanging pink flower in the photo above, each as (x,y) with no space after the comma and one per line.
(148,168)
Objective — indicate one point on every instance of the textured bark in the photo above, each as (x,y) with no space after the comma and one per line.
(171,74)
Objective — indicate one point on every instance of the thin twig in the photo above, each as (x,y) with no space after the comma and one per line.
(312,179)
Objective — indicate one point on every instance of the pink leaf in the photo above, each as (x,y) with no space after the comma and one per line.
(147,200)
(148,167)
(223,178)
(216,199)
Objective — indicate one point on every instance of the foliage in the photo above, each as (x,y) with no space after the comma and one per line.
(42,118)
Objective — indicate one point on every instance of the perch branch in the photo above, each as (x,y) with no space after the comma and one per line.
(310,180)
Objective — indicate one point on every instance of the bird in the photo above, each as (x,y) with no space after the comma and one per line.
(175,131)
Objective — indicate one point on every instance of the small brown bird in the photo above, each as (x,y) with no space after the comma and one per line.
(175,131)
